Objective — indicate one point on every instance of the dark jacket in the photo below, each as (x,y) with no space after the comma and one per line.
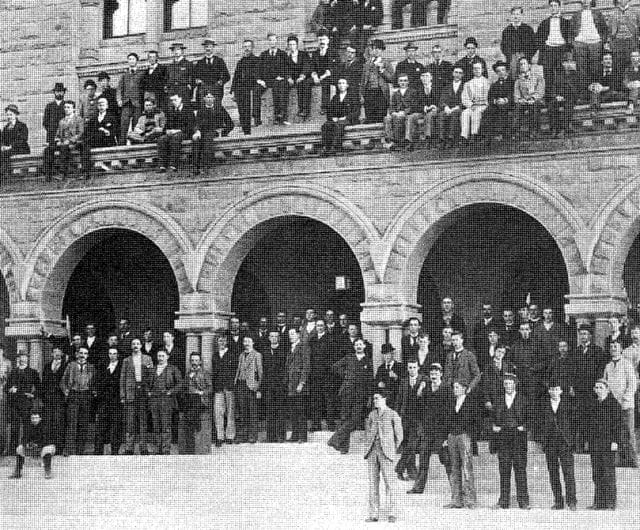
(272,67)
(329,61)
(465,366)
(166,385)
(215,74)
(563,370)
(179,76)
(320,353)
(304,66)
(605,424)
(561,425)
(440,76)
(434,418)
(246,74)
(26,381)
(368,13)
(17,137)
(518,40)
(274,375)
(223,370)
(502,88)
(390,385)
(408,404)
(426,100)
(491,382)
(108,387)
(50,387)
(407,102)
(130,87)
(467,63)
(543,32)
(298,368)
(519,408)
(589,368)
(414,70)
(357,375)
(408,350)
(155,82)
(348,108)
(567,86)
(181,119)
(210,120)
(128,378)
(352,72)
(53,113)
(95,132)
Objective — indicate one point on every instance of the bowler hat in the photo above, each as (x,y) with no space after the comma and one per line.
(410,46)
(387,348)
(498,64)
(378,44)
(177,45)
(584,327)
(208,42)
(59,87)
(471,40)
(13,108)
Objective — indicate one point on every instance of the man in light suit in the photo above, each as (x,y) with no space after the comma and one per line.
(135,380)
(383,437)
(247,381)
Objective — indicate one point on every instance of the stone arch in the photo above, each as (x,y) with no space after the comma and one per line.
(11,260)
(228,241)
(423,220)
(617,226)
(52,260)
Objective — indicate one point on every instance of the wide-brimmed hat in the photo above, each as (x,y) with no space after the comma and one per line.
(208,42)
(387,348)
(410,46)
(378,44)
(13,108)
(177,45)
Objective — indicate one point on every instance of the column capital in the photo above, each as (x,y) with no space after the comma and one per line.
(388,313)
(29,327)
(595,306)
(199,321)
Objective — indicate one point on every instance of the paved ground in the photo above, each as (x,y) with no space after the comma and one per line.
(267,486)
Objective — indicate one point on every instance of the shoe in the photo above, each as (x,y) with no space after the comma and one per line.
(144,452)
(252,440)
(413,490)
(392,519)
(400,476)
(295,440)
(227,441)
(344,451)
(65,453)
(218,443)
(15,475)
(238,441)
(279,440)
(453,505)
(285,122)
(470,505)
(500,506)
(371,520)
(162,169)
(128,453)
(525,506)
(559,506)
(573,507)
(47,474)
(302,441)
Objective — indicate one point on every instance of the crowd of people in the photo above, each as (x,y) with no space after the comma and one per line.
(586,58)
(507,379)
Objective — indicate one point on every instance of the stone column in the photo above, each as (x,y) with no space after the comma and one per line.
(36,359)
(595,309)
(206,348)
(193,345)
(90,30)
(386,19)
(377,317)
(154,24)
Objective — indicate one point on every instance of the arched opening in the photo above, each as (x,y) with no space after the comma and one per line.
(114,274)
(631,276)
(5,311)
(294,263)
(494,253)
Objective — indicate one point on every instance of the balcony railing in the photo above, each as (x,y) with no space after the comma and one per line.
(358,138)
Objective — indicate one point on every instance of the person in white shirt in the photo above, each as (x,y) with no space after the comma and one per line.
(590,32)
(475,99)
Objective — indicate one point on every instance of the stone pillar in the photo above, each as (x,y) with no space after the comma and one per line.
(36,360)
(154,24)
(595,309)
(378,317)
(207,348)
(386,18)
(193,345)
(90,30)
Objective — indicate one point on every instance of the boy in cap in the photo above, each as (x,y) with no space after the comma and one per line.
(510,429)
(558,441)
(383,436)
(35,442)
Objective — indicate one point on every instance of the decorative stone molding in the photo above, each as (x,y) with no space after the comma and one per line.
(10,266)
(423,220)
(50,264)
(228,241)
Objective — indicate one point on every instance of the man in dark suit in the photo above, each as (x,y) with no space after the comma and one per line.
(135,378)
(436,399)
(343,110)
(461,364)
(410,66)
(409,342)
(22,387)
(471,58)
(273,75)
(553,38)
(154,80)
(94,345)
(491,381)
(324,72)
(558,437)
(441,71)
(245,89)
(212,122)
(130,96)
(298,370)
(409,405)
(605,434)
(53,113)
(14,140)
(108,405)
(149,346)
(274,388)
(401,123)
(389,374)
(450,106)
(508,329)
(180,75)
(166,382)
(179,127)
(356,371)
(224,364)
(235,336)
(518,40)
(377,74)
(53,399)
(299,66)
(510,430)
(261,337)
(482,327)
(351,70)
(210,72)
(247,388)
(320,350)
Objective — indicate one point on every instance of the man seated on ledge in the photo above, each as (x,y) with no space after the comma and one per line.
(343,110)
(401,124)
(180,125)
(212,120)
(14,138)
(150,125)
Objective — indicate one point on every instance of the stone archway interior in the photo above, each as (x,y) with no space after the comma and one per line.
(631,273)
(119,274)
(291,266)
(493,253)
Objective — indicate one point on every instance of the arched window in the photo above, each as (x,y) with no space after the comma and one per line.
(183,14)
(124,17)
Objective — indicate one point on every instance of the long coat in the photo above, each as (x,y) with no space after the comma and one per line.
(297,368)
(605,424)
